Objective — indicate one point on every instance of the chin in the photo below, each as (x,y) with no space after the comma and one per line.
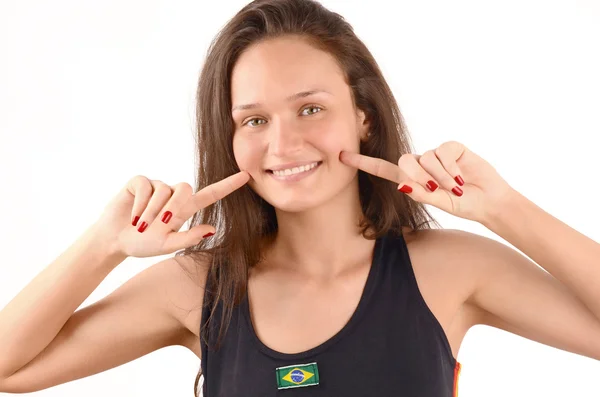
(297,204)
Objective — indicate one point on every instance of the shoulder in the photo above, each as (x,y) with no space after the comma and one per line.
(462,253)
(454,262)
(457,247)
(471,261)
(450,266)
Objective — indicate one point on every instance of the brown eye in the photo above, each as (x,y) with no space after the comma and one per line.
(252,123)
(316,109)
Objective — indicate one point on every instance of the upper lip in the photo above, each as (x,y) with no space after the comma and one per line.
(290,165)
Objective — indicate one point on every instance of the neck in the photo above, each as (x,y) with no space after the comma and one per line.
(324,241)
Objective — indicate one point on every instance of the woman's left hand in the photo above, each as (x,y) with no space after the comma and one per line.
(467,185)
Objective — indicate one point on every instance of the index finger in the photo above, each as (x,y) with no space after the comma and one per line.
(216,191)
(372,165)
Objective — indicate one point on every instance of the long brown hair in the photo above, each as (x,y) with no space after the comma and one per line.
(243,219)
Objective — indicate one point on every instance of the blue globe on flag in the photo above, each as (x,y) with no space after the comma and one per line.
(297,375)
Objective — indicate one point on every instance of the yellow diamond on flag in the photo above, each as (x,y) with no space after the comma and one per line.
(298,376)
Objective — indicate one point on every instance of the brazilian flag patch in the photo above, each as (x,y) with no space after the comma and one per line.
(299,375)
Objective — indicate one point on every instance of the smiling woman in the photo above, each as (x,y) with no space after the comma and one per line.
(289,126)
(308,126)
(312,265)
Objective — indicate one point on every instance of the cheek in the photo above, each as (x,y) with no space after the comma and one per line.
(336,134)
(247,153)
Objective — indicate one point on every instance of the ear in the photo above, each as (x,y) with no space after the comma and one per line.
(362,125)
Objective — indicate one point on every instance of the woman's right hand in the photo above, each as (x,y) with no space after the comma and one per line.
(150,200)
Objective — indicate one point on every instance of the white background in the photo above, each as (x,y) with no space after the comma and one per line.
(93,93)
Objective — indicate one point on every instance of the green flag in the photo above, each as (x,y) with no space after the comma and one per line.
(297,376)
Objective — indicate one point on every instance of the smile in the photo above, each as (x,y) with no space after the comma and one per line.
(296,173)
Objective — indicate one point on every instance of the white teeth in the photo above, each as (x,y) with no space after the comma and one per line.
(295,170)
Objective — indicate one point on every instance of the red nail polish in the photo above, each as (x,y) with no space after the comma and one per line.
(167,216)
(459,180)
(431,185)
(405,189)
(135,221)
(458,191)
(142,227)
(208,234)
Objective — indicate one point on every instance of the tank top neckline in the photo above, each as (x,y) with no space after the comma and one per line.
(355,318)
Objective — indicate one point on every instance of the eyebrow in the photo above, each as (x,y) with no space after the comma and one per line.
(298,95)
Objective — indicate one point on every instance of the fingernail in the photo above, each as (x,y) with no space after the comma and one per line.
(135,221)
(459,180)
(142,227)
(208,234)
(405,189)
(431,185)
(458,191)
(167,216)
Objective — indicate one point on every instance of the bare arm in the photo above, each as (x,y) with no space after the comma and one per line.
(43,343)
(33,318)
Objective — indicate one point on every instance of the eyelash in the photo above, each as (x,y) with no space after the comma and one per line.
(307,107)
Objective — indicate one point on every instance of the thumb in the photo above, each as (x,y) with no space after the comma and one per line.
(188,238)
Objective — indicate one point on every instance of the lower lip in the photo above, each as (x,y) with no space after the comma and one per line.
(295,177)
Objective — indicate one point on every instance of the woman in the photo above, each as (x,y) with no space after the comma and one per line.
(321,277)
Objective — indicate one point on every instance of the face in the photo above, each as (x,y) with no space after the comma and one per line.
(291,107)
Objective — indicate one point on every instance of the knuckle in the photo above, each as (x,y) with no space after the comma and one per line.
(427,157)
(231,186)
(378,170)
(139,185)
(140,182)
(182,196)
(139,178)
(161,189)
(405,159)
(184,187)
(448,145)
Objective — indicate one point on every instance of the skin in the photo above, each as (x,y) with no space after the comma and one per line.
(320,211)
(318,254)
(318,257)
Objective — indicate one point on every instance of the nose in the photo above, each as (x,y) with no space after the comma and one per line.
(284,138)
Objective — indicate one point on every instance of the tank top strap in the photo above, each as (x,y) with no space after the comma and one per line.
(420,306)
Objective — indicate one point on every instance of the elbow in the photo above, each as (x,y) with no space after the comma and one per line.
(11,385)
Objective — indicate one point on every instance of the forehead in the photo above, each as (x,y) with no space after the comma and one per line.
(276,68)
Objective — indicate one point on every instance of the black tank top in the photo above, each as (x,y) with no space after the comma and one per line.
(392,345)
